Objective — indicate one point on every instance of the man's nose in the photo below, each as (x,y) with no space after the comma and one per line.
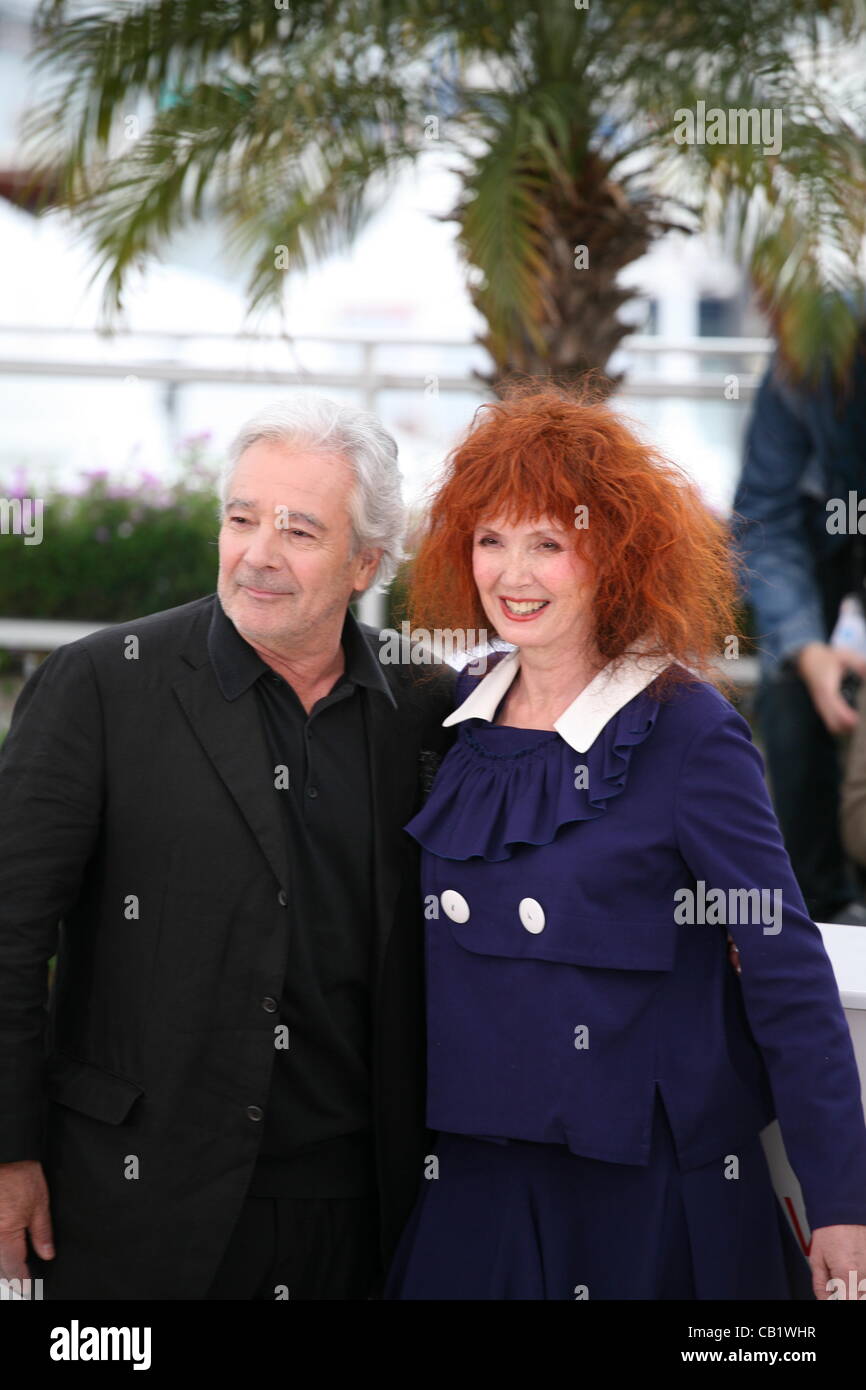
(264,544)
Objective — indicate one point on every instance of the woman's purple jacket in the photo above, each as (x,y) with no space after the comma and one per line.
(555,1022)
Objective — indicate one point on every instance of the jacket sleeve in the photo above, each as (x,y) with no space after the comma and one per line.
(51,776)
(768,528)
(729,837)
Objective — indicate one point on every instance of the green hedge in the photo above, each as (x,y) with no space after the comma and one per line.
(111,552)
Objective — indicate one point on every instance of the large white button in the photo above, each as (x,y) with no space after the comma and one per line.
(455,905)
(531,914)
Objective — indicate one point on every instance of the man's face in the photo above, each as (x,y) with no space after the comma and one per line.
(286,565)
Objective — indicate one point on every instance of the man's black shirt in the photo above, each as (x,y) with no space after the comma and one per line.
(317,1139)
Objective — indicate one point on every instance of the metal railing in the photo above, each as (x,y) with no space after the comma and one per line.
(675,361)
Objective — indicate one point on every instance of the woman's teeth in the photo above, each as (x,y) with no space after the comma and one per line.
(527,606)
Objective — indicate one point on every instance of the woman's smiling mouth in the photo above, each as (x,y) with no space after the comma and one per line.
(523,608)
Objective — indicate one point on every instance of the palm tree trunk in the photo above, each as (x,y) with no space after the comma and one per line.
(591,231)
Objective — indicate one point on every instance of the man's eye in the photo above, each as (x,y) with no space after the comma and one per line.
(241,519)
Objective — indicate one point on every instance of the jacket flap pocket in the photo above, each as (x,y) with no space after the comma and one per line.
(533,933)
(80,1085)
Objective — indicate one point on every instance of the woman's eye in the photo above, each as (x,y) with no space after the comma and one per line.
(493,540)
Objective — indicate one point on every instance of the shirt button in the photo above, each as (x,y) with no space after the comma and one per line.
(531,914)
(269,1004)
(312,791)
(455,906)
(255,1112)
(283,898)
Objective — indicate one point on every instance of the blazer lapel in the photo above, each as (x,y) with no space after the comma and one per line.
(394,784)
(231,734)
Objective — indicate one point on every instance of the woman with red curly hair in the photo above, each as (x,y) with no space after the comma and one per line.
(600,829)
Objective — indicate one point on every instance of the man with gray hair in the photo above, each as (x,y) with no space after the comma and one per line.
(201,815)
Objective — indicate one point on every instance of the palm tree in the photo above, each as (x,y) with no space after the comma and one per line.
(567,124)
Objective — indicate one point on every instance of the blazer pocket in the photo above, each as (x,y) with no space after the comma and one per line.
(88,1089)
(603,943)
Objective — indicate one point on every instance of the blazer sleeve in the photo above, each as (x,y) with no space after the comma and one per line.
(729,837)
(51,777)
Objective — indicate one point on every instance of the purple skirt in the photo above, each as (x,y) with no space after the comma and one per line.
(521,1220)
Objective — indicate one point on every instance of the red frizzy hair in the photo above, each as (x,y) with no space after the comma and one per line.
(663,561)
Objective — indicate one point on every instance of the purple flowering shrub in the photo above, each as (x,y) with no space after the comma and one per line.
(109,551)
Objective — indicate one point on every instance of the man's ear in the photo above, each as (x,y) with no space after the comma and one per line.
(368,559)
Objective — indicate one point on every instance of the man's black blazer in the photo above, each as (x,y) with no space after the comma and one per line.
(136,841)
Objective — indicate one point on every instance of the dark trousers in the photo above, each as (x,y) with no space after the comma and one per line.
(302,1248)
(804,768)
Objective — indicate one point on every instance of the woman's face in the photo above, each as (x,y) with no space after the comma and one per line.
(535,590)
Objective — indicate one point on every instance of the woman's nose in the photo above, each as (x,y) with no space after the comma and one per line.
(516,569)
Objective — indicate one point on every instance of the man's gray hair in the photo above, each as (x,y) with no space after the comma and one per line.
(317,424)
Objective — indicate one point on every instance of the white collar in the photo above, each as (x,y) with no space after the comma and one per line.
(586,716)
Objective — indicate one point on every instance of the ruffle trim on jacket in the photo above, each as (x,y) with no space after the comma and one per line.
(483,803)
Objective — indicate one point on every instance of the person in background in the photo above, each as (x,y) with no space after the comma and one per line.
(805,445)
